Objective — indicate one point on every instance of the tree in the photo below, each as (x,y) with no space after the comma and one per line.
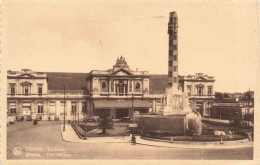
(219,95)
(104,121)
(226,95)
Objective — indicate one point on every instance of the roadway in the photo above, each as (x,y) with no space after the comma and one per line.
(44,141)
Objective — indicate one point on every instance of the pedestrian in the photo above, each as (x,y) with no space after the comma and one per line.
(134,140)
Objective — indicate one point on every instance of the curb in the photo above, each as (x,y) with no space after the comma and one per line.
(194,145)
(194,142)
(166,144)
(91,140)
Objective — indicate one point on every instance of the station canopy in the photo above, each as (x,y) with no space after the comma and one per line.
(117,104)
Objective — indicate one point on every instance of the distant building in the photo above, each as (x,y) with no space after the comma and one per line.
(200,88)
(226,108)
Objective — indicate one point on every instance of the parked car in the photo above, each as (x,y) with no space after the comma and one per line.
(38,118)
(29,118)
(19,118)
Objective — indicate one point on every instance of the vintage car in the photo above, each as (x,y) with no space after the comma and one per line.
(38,118)
(29,118)
(19,118)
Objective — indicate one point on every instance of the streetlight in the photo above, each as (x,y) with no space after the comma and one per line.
(64,111)
(85,109)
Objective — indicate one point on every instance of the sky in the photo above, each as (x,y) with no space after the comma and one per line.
(217,39)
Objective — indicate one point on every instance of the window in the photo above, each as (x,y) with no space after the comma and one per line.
(112,85)
(26,90)
(175,58)
(189,90)
(170,42)
(39,89)
(40,108)
(169,84)
(175,68)
(175,79)
(12,86)
(130,85)
(137,86)
(103,85)
(170,74)
(174,47)
(12,108)
(170,63)
(209,90)
(170,53)
(73,108)
(200,91)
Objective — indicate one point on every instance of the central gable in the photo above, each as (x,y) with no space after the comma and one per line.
(26,75)
(200,78)
(121,72)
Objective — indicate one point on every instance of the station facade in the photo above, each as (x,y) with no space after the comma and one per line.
(119,90)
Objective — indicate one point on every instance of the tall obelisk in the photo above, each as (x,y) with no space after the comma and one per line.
(173,80)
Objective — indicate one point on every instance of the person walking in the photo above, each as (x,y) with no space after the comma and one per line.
(134,139)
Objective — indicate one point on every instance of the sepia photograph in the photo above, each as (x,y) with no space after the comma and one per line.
(128,80)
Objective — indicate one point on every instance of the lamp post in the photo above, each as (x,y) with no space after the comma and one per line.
(78,113)
(64,111)
(132,108)
(85,109)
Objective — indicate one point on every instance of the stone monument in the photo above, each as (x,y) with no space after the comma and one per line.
(176,103)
